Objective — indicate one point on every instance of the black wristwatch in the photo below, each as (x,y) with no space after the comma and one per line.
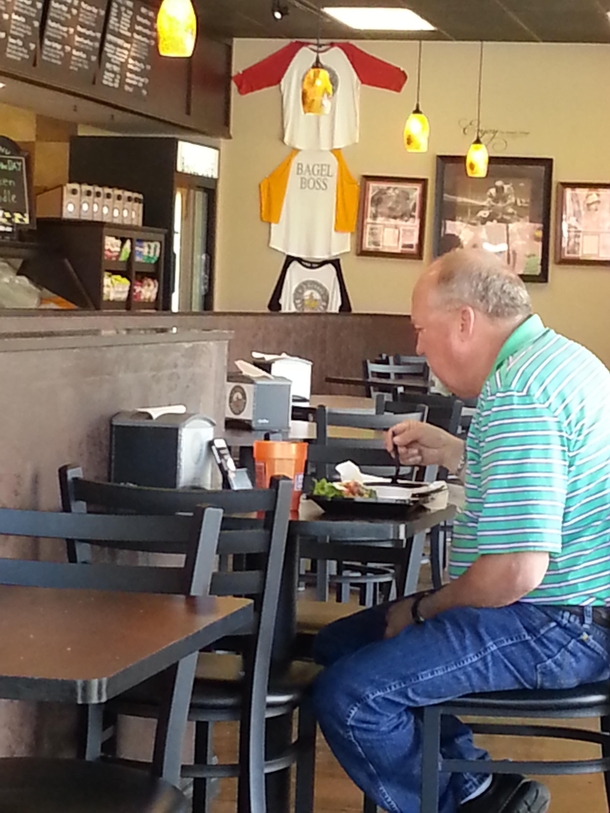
(415,613)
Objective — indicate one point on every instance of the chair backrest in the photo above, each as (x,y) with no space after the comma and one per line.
(367,451)
(251,549)
(444,411)
(196,537)
(413,374)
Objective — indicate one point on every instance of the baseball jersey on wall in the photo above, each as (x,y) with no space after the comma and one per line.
(348,66)
(311,202)
(310,287)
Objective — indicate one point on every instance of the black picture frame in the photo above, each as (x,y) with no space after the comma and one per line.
(582,231)
(508,212)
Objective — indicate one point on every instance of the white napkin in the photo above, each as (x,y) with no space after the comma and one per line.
(437,490)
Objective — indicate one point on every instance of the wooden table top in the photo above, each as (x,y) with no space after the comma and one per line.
(86,646)
(299,431)
(410,382)
(304,410)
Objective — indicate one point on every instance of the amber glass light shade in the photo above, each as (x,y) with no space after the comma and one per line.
(316,91)
(477,160)
(417,132)
(176,28)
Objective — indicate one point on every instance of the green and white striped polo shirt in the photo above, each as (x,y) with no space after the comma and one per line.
(538,466)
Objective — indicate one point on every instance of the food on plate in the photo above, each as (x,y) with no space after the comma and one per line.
(349,488)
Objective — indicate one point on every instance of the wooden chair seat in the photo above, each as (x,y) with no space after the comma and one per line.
(312,616)
(29,785)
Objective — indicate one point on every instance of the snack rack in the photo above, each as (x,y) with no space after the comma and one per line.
(120,267)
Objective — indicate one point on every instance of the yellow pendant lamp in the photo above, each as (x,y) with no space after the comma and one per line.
(317,89)
(417,127)
(477,159)
(176,28)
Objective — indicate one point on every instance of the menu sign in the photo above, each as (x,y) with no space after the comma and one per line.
(73,35)
(19,29)
(129,47)
(14,204)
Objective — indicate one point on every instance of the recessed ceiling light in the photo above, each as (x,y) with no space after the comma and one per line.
(2,85)
(379,19)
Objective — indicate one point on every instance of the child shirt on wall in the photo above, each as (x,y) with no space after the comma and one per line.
(349,67)
(310,287)
(311,202)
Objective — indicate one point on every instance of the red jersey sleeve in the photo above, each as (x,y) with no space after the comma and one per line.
(373,71)
(269,71)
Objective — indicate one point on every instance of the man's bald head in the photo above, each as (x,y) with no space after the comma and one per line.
(478,279)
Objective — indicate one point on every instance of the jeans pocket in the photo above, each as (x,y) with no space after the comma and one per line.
(574,664)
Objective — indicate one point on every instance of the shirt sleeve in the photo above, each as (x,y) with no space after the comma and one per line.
(373,71)
(523,466)
(272,190)
(268,72)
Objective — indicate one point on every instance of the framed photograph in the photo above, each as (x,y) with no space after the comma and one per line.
(392,217)
(507,213)
(583,224)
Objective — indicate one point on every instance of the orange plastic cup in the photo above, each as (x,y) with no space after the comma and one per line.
(278,457)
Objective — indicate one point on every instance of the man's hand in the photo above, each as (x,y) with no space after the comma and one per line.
(421,444)
(398,617)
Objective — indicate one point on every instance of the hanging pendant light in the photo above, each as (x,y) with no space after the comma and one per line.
(477,159)
(417,127)
(317,89)
(176,28)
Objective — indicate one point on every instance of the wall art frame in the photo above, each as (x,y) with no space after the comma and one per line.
(507,213)
(392,215)
(582,232)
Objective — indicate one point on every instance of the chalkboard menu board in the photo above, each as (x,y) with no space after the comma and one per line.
(19,29)
(14,203)
(129,47)
(72,36)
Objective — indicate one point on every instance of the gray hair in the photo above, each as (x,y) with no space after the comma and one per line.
(477,278)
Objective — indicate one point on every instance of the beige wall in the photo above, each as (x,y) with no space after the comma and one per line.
(552,92)
(46,140)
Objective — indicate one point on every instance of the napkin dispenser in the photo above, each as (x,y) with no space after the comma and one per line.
(262,401)
(161,449)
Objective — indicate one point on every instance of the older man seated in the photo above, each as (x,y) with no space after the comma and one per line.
(527,602)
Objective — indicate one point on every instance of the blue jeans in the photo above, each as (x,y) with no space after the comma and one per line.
(368,698)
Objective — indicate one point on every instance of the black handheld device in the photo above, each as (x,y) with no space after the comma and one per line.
(232,477)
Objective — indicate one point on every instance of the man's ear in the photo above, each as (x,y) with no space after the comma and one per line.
(467,322)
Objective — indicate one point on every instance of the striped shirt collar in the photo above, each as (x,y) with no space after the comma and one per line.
(525,334)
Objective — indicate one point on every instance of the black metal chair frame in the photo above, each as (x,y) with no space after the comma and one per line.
(444,411)
(413,370)
(243,542)
(374,580)
(585,701)
(194,537)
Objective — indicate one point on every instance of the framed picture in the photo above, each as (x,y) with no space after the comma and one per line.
(583,224)
(392,216)
(507,213)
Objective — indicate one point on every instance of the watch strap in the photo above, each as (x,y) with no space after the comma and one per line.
(415,613)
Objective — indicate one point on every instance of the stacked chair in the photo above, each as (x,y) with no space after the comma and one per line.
(259,686)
